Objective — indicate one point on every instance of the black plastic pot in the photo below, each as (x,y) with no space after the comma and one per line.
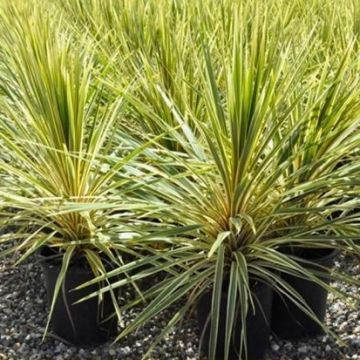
(257,325)
(83,324)
(288,321)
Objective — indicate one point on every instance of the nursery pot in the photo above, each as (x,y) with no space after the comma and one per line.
(257,325)
(83,324)
(290,322)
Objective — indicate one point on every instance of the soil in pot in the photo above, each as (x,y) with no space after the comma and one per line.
(85,324)
(257,325)
(288,321)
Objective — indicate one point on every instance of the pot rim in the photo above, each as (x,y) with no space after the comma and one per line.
(45,261)
(332,253)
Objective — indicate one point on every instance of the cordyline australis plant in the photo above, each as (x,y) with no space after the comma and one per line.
(56,189)
(238,177)
(320,184)
(237,186)
(129,42)
(135,50)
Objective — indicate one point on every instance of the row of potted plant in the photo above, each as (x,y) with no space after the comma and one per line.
(209,161)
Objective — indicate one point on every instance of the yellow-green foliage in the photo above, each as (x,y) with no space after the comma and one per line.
(125,123)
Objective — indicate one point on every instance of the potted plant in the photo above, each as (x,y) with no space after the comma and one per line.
(316,155)
(56,189)
(227,182)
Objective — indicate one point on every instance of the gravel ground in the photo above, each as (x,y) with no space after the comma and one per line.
(23,317)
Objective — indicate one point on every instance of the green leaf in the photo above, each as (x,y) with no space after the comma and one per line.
(218,242)
(231,307)
(217,296)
